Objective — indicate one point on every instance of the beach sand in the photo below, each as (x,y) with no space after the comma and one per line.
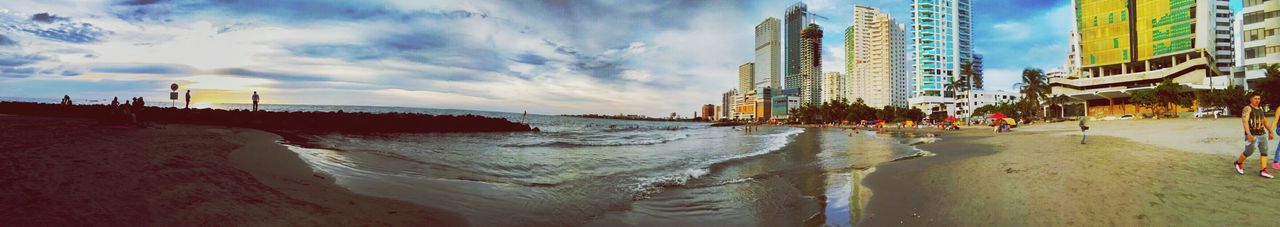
(1145,172)
(60,172)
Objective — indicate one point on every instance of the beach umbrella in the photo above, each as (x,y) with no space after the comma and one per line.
(951,118)
(998,115)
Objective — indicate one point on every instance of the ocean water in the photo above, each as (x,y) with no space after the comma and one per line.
(599,172)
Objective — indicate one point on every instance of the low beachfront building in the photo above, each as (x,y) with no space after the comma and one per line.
(783,102)
(980,98)
(1125,49)
(708,112)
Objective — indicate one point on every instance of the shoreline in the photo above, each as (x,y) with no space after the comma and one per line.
(68,171)
(1041,175)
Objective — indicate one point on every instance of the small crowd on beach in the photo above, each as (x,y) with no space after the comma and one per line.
(127,112)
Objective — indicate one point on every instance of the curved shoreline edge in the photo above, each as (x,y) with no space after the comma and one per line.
(273,164)
(72,171)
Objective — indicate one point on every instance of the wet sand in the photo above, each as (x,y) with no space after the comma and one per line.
(60,171)
(1160,173)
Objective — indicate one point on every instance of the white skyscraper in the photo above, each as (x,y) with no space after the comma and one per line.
(943,41)
(768,54)
(1222,23)
(876,60)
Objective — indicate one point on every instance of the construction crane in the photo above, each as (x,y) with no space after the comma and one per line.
(813,15)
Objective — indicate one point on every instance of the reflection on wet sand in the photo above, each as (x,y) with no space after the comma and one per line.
(813,181)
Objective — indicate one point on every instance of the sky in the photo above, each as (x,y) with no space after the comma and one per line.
(548,57)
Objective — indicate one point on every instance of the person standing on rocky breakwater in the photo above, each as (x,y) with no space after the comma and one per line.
(255,101)
(1255,125)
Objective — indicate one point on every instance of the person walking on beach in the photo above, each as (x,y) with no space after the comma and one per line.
(1275,159)
(188,99)
(255,101)
(1083,127)
(1255,125)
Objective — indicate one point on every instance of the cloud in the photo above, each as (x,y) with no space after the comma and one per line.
(1033,35)
(47,18)
(166,69)
(53,27)
(16,72)
(16,59)
(5,41)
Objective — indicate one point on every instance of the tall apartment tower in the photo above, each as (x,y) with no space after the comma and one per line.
(1224,54)
(768,54)
(811,65)
(1260,30)
(943,39)
(903,78)
(746,77)
(797,18)
(832,86)
(875,59)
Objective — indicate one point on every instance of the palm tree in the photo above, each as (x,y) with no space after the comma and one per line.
(1034,89)
(967,74)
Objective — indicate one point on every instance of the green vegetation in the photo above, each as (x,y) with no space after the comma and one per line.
(1163,98)
(1233,98)
(842,110)
(1035,87)
(1269,86)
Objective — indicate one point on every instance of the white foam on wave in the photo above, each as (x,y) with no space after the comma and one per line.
(649,185)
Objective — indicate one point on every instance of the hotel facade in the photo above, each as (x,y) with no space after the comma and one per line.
(943,40)
(1129,45)
(876,62)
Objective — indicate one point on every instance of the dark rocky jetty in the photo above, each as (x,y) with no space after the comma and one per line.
(313,122)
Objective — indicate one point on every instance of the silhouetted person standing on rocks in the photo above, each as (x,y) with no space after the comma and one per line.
(66,100)
(255,101)
(115,101)
(188,99)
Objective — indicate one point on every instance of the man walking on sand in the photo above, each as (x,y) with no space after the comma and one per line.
(1083,127)
(1275,159)
(1255,125)
(255,101)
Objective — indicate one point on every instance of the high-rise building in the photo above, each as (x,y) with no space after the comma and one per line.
(875,59)
(903,76)
(746,77)
(1260,35)
(728,102)
(1128,45)
(943,40)
(797,18)
(768,54)
(811,65)
(977,71)
(1224,53)
(832,86)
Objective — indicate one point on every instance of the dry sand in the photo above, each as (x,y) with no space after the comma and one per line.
(62,172)
(1160,173)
